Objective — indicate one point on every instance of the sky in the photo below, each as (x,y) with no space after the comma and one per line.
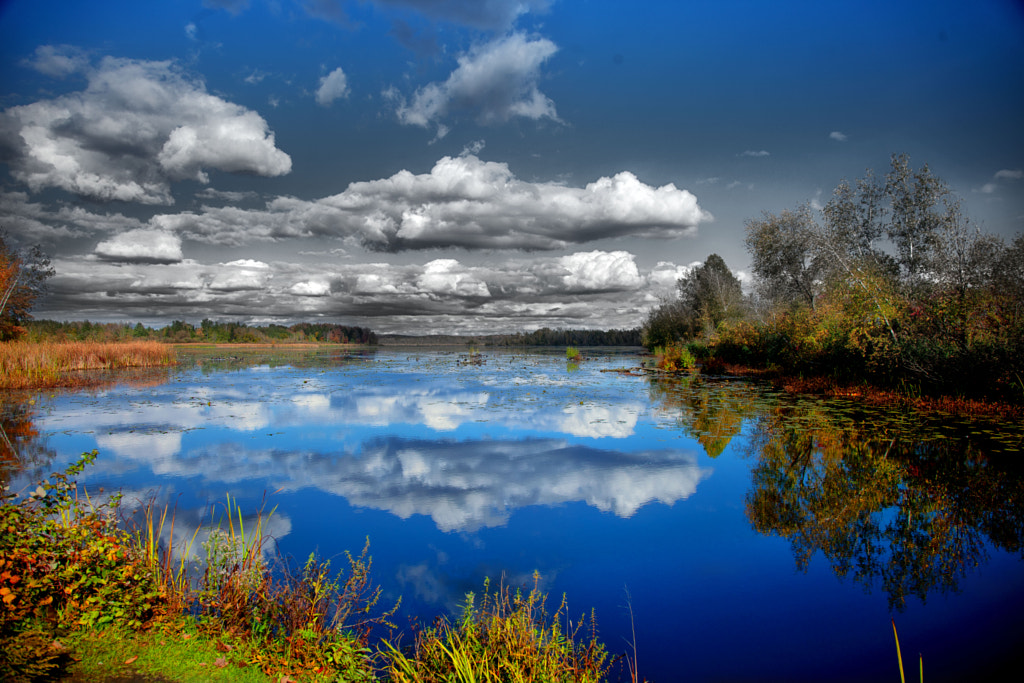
(470,166)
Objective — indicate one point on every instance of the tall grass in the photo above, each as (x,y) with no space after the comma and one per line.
(508,637)
(25,365)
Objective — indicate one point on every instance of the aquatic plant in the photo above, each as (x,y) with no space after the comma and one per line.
(674,358)
(26,365)
(572,353)
(509,636)
(899,657)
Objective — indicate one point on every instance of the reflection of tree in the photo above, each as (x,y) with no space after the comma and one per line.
(710,411)
(912,514)
(20,445)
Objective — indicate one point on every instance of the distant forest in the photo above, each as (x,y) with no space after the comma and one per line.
(208,331)
(548,337)
(212,332)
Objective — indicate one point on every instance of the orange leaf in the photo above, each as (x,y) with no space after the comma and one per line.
(131,659)
(46,601)
(9,598)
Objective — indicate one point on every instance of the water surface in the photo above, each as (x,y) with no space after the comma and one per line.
(756,537)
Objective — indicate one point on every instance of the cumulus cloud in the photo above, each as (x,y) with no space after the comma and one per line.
(462,202)
(594,289)
(664,276)
(141,246)
(333,86)
(600,270)
(837,136)
(58,61)
(241,275)
(446,276)
(495,82)
(137,126)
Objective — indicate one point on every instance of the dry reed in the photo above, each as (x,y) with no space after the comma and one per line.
(26,365)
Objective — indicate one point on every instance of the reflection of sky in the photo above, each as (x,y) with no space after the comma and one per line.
(459,447)
(460,473)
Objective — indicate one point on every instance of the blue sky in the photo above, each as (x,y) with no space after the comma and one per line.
(454,166)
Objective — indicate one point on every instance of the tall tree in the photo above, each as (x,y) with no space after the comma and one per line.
(23,276)
(709,294)
(785,258)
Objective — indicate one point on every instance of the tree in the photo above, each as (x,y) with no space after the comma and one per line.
(785,257)
(709,294)
(665,324)
(23,276)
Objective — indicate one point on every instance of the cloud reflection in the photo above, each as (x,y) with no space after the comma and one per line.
(464,486)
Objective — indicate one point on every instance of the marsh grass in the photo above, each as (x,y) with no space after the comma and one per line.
(70,568)
(674,358)
(899,657)
(25,365)
(508,637)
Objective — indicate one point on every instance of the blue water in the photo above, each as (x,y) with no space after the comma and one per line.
(457,472)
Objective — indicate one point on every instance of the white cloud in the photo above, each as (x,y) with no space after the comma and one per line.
(137,126)
(311,288)
(599,270)
(999,178)
(496,82)
(589,289)
(756,153)
(143,245)
(664,276)
(837,136)
(461,202)
(241,275)
(58,61)
(447,276)
(333,86)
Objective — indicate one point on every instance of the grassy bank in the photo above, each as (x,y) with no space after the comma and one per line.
(88,593)
(25,365)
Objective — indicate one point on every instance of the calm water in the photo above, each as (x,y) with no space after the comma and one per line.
(756,537)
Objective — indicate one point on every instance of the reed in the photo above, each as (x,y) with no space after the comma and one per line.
(25,365)
(899,657)
(508,636)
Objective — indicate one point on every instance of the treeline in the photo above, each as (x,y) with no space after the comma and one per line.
(208,331)
(890,283)
(548,337)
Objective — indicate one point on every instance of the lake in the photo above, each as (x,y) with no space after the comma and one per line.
(750,535)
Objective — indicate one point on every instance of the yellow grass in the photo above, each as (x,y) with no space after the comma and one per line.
(25,365)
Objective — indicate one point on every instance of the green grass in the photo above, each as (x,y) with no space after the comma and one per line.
(183,655)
